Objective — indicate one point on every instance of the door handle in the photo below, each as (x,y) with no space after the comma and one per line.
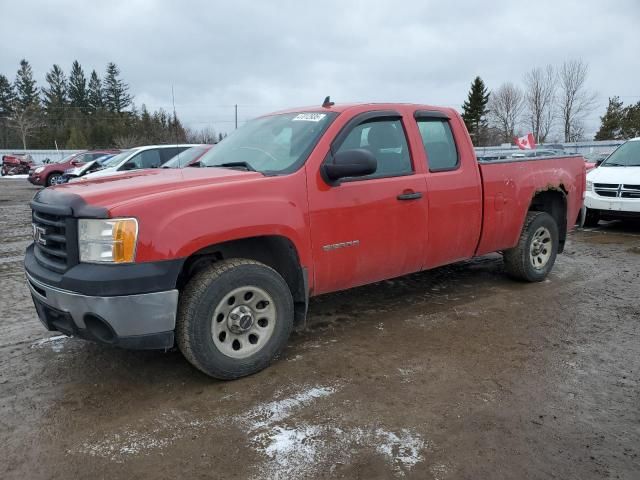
(410,196)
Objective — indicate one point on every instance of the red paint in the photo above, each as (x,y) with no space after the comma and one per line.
(470,211)
(76,160)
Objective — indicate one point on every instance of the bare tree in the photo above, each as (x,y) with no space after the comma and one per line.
(575,101)
(540,91)
(25,121)
(505,107)
(204,135)
(128,140)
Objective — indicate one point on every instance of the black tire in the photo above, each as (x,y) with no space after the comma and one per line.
(591,218)
(519,262)
(203,294)
(53,178)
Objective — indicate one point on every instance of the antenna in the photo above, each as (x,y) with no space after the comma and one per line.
(327,102)
(175,118)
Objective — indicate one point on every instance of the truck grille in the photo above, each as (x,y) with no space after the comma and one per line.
(617,190)
(53,240)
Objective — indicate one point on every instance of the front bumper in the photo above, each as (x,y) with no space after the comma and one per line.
(35,179)
(612,205)
(143,321)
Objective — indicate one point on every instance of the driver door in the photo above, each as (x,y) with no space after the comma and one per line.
(369,228)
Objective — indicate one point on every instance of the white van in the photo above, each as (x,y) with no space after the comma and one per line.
(613,189)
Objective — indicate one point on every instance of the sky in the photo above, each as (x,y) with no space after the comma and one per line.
(270,55)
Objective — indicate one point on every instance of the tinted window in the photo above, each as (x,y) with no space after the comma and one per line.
(386,140)
(168,153)
(145,159)
(439,144)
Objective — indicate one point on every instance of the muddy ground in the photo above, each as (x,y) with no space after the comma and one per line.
(453,373)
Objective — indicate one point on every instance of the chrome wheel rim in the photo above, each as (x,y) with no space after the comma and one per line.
(243,322)
(540,248)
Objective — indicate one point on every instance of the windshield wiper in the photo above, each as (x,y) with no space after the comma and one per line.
(244,165)
(613,164)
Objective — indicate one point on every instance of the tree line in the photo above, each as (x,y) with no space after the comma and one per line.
(75,112)
(553,102)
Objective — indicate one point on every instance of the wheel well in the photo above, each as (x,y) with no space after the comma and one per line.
(554,202)
(275,251)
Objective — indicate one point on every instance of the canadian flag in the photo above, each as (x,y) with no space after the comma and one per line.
(526,143)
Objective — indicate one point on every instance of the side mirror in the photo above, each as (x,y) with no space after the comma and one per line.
(356,162)
(599,162)
(128,166)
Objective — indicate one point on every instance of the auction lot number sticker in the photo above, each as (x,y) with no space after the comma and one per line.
(309,117)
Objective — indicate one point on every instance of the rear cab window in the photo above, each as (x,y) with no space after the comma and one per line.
(439,144)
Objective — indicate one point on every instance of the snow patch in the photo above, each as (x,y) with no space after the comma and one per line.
(56,343)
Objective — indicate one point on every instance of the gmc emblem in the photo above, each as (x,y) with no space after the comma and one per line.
(38,235)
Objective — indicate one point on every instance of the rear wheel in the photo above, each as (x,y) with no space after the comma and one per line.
(533,258)
(53,179)
(591,218)
(234,318)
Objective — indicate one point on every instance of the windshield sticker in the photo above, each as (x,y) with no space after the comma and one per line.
(309,117)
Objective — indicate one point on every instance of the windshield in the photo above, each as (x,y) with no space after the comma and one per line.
(67,158)
(102,160)
(626,155)
(116,159)
(274,144)
(184,158)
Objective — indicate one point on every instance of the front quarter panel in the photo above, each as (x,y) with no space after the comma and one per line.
(179,223)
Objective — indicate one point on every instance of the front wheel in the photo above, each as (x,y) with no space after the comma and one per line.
(234,318)
(533,257)
(53,179)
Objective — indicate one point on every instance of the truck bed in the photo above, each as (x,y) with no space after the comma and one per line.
(510,184)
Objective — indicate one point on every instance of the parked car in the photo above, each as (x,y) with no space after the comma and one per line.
(88,167)
(188,157)
(51,173)
(16,164)
(613,189)
(151,156)
(222,259)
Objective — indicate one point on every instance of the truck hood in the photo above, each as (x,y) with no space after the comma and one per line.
(118,189)
(628,175)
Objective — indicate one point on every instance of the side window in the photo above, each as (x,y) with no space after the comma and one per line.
(386,140)
(145,159)
(167,154)
(439,144)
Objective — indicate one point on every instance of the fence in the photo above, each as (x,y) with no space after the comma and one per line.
(601,146)
(39,156)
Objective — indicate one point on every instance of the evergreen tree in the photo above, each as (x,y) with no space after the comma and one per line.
(7,96)
(25,87)
(631,121)
(116,92)
(78,89)
(76,139)
(475,111)
(55,95)
(94,95)
(611,121)
(6,109)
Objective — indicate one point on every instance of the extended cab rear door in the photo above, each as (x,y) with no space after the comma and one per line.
(369,228)
(454,188)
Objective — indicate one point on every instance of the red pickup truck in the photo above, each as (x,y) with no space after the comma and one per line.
(221,258)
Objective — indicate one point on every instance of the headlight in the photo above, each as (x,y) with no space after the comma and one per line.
(589,186)
(110,241)
(38,170)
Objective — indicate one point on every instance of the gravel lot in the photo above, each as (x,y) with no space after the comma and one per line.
(454,373)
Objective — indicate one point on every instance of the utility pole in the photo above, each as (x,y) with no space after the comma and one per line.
(236,106)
